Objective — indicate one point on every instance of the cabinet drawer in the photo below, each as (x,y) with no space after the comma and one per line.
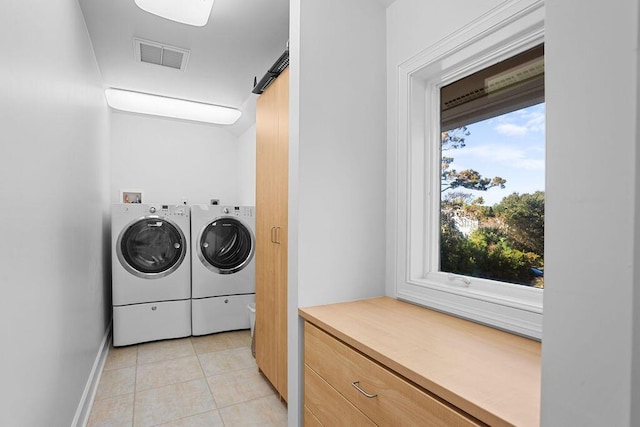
(328,406)
(396,402)
(309,419)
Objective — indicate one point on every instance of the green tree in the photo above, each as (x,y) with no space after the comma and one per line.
(523,218)
(496,259)
(468,178)
(456,253)
(493,250)
(509,242)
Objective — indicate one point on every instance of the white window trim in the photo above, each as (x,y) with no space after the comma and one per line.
(511,28)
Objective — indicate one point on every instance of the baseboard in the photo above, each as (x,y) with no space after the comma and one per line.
(86,402)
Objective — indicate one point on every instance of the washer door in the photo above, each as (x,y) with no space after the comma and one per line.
(226,245)
(151,247)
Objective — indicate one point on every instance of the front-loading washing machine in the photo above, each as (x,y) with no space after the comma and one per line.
(222,267)
(151,272)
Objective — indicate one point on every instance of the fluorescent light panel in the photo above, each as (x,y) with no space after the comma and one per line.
(190,12)
(155,105)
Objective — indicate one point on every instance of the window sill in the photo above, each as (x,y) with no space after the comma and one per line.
(516,309)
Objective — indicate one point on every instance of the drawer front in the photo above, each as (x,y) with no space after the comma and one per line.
(329,407)
(396,401)
(152,321)
(309,419)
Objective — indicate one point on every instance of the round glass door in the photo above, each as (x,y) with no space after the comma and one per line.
(151,247)
(226,246)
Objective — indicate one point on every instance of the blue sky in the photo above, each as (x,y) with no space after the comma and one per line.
(510,146)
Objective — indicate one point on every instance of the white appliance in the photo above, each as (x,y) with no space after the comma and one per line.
(222,267)
(151,272)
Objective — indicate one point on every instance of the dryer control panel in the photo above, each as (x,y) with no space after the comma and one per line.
(239,211)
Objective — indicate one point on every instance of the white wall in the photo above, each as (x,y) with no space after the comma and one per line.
(341,151)
(591,213)
(173,159)
(247,167)
(54,187)
(337,160)
(635,384)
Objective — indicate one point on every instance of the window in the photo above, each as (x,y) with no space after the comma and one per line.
(449,96)
(492,122)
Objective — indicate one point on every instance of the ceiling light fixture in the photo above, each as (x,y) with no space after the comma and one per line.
(155,105)
(190,12)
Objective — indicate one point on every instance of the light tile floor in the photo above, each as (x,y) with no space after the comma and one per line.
(197,381)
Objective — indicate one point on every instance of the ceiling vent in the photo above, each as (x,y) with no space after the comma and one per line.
(160,54)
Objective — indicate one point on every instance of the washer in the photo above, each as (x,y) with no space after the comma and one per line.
(151,272)
(223,268)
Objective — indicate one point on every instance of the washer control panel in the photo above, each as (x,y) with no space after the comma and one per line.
(169,210)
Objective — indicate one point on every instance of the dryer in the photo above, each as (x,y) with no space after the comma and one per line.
(223,267)
(151,272)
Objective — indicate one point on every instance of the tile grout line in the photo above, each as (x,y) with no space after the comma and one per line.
(204,374)
(174,358)
(240,346)
(205,378)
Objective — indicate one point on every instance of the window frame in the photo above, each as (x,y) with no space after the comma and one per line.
(509,29)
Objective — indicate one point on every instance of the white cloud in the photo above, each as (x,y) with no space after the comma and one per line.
(510,129)
(505,155)
(492,153)
(521,122)
(535,121)
(509,146)
(530,164)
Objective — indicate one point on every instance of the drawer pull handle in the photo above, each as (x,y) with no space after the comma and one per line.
(357,387)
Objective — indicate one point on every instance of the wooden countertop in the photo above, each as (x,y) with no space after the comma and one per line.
(490,374)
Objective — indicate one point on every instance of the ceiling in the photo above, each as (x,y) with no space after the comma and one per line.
(242,39)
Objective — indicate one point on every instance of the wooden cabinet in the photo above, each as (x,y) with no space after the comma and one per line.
(385,362)
(272,163)
(322,399)
(373,394)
